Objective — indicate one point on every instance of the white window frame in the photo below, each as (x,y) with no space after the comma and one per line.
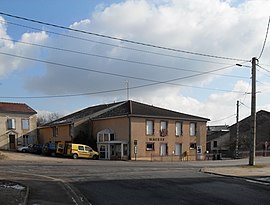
(25,124)
(11,124)
(178,129)
(149,127)
(192,129)
(163,128)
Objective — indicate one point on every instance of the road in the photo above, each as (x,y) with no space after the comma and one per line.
(68,181)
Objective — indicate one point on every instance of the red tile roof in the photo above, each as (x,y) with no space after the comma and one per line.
(16,108)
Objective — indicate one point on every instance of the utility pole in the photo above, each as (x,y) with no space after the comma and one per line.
(237,131)
(252,150)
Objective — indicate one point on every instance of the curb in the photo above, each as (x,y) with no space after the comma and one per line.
(25,201)
(238,177)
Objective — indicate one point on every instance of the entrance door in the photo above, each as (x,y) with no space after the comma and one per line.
(163,149)
(11,142)
(178,149)
(103,151)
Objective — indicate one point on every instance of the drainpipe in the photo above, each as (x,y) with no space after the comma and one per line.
(129,129)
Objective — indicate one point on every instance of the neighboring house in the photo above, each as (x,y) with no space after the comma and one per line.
(218,138)
(262,133)
(131,130)
(18,123)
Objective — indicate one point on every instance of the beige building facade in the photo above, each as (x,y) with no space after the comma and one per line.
(132,130)
(18,125)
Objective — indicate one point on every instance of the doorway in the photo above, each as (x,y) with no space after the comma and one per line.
(12,142)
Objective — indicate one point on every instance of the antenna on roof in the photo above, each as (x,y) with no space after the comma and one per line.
(127,86)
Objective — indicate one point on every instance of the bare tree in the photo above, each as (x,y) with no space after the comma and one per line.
(44,118)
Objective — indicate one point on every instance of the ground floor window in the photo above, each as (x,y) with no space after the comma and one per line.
(163,149)
(178,149)
(25,140)
(150,146)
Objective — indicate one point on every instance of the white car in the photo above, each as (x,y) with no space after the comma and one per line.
(24,148)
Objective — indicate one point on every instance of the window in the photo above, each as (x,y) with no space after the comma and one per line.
(150,147)
(11,124)
(215,144)
(25,140)
(192,129)
(163,128)
(55,131)
(178,129)
(149,127)
(106,137)
(88,149)
(100,138)
(25,124)
(192,146)
(80,148)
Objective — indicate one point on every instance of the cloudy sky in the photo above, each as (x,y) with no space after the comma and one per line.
(190,65)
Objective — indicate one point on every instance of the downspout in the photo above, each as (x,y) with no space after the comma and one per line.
(129,128)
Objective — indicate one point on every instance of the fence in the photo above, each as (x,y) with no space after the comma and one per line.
(175,158)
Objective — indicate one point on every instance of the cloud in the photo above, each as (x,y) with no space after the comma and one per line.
(8,46)
(223,28)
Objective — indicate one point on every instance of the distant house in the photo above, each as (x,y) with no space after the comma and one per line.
(18,123)
(262,133)
(218,138)
(131,130)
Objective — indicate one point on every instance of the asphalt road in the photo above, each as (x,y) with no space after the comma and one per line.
(209,190)
(68,181)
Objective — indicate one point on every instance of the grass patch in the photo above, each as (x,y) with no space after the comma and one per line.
(253,167)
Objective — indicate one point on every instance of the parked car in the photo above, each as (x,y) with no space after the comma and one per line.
(49,149)
(76,150)
(25,148)
(36,149)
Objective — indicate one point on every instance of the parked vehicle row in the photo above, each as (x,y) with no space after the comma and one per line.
(61,149)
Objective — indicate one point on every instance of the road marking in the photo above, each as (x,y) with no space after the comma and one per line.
(257,182)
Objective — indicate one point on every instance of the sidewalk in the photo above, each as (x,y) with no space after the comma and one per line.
(257,172)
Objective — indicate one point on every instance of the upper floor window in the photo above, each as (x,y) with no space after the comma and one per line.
(178,129)
(192,129)
(11,124)
(149,127)
(163,128)
(25,124)
(55,131)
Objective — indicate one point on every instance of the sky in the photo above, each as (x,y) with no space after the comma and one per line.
(175,54)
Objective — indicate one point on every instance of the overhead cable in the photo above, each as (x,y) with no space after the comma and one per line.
(265,39)
(116,45)
(120,59)
(121,39)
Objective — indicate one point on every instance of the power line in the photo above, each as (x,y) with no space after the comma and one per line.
(224,118)
(263,68)
(114,45)
(122,39)
(120,59)
(113,74)
(154,82)
(264,39)
(110,91)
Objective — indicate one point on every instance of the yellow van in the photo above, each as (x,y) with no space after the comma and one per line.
(77,151)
